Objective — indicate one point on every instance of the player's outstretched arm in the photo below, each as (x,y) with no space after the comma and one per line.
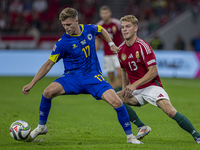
(97,43)
(40,74)
(104,34)
(150,75)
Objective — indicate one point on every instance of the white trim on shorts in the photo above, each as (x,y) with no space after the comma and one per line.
(150,94)
(111,62)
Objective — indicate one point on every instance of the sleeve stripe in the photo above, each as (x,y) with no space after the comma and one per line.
(142,53)
(54,57)
(99,28)
(148,51)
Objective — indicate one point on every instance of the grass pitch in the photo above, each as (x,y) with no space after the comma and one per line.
(81,122)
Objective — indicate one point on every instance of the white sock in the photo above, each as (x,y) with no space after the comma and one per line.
(130,136)
(41,126)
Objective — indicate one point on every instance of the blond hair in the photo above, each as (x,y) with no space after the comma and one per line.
(68,13)
(105,7)
(130,18)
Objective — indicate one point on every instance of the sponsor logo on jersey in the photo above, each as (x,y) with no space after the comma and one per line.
(83,42)
(54,47)
(130,56)
(137,55)
(74,46)
(151,61)
(89,36)
(123,56)
(160,95)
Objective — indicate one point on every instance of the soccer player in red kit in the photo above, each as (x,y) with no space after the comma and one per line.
(111,63)
(138,63)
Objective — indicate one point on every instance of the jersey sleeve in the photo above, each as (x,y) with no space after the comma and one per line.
(57,51)
(148,55)
(96,28)
(120,61)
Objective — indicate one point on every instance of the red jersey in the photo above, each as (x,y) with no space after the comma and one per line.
(136,59)
(114,30)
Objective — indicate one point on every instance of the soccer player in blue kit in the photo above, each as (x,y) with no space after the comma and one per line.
(82,73)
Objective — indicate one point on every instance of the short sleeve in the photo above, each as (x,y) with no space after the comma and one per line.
(56,53)
(148,55)
(96,28)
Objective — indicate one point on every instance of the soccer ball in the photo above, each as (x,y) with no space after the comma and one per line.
(20,130)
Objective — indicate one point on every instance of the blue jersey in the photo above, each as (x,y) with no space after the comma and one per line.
(78,51)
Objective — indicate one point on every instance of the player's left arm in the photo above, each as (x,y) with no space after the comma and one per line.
(104,34)
(150,75)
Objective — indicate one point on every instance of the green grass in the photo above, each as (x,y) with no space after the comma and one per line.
(81,122)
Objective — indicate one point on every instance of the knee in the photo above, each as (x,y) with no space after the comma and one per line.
(48,93)
(171,113)
(116,103)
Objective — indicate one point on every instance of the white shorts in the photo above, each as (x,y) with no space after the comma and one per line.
(111,62)
(150,95)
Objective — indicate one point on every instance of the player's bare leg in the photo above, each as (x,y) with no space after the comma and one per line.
(53,90)
(131,101)
(182,121)
(111,97)
(167,107)
(143,129)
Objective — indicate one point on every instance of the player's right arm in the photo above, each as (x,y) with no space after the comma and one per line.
(104,34)
(40,74)
(97,42)
(125,79)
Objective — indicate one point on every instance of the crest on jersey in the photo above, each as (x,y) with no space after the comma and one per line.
(114,29)
(123,56)
(137,55)
(54,47)
(89,36)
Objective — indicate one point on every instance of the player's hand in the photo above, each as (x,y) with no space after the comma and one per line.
(114,49)
(128,90)
(26,89)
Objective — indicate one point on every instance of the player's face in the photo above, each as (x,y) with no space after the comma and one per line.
(70,25)
(128,30)
(105,15)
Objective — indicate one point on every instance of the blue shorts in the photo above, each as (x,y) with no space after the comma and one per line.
(95,85)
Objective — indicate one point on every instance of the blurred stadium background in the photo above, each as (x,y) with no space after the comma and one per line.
(29,29)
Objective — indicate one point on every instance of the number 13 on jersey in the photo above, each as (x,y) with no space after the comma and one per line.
(132,65)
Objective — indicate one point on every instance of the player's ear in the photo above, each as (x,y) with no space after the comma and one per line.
(136,28)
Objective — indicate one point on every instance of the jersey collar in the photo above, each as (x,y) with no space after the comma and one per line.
(81,27)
